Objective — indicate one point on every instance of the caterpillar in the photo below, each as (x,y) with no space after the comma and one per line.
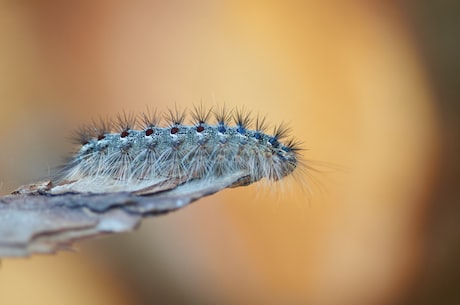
(138,154)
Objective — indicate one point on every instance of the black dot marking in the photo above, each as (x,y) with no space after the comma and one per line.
(174,130)
(199,128)
(124,134)
(100,137)
(274,142)
(149,132)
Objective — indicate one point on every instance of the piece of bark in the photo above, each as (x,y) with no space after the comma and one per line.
(34,221)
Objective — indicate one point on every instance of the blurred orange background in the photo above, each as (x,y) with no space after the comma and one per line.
(354,80)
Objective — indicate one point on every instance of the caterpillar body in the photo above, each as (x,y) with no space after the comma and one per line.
(155,158)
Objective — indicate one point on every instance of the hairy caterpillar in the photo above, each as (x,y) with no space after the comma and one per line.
(118,157)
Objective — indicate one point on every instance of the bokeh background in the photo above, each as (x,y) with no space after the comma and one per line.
(370,87)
